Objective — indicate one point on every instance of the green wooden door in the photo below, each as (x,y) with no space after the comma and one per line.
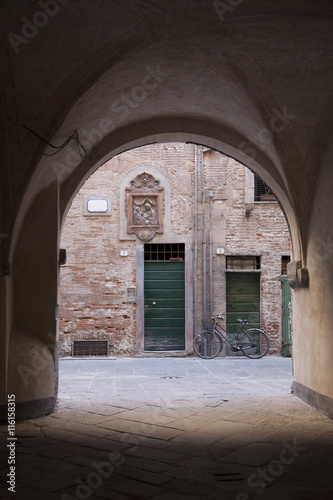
(286,317)
(164,291)
(242,301)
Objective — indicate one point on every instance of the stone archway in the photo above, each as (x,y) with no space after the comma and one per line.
(39,303)
(243,87)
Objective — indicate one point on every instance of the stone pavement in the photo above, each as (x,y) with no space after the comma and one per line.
(173,429)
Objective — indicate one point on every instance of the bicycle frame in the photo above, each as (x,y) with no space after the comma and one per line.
(227,337)
(253,342)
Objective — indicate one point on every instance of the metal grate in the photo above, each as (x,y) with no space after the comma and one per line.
(90,348)
(164,251)
(262,192)
(243,262)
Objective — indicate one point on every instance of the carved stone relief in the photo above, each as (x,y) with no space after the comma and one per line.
(144,207)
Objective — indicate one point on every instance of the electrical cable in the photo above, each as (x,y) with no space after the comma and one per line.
(73,137)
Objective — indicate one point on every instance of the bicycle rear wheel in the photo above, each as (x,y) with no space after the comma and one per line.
(207,344)
(254,343)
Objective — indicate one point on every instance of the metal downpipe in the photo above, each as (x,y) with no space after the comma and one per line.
(195,239)
(204,246)
(211,253)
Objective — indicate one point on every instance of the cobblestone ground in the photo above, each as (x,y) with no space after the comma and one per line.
(173,429)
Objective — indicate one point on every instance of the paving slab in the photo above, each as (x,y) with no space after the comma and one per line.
(175,428)
(254,454)
(136,489)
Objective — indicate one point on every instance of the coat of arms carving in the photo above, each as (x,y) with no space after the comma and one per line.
(144,207)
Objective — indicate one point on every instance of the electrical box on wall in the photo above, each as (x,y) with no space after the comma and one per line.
(131,294)
(62,256)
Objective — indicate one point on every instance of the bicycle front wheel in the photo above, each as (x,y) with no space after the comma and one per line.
(207,344)
(254,343)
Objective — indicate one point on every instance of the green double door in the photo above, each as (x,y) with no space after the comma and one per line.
(164,317)
(286,317)
(243,302)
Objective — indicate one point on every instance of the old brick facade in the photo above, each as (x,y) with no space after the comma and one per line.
(97,281)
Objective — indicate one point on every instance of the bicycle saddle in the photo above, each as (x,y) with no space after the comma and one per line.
(242,321)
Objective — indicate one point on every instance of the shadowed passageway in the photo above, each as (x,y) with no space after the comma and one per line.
(172,429)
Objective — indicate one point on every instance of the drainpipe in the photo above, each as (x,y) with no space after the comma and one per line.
(204,245)
(211,253)
(195,239)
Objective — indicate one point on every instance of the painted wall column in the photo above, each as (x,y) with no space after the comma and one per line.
(32,357)
(313,312)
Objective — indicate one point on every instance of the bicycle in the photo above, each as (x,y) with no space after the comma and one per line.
(253,342)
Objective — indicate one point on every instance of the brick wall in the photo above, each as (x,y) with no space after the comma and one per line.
(265,233)
(95,279)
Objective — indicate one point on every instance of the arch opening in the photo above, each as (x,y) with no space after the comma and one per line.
(237,226)
(62,191)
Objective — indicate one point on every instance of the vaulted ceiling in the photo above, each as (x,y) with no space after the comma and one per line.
(251,78)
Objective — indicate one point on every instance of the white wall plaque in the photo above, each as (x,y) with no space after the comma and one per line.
(97,205)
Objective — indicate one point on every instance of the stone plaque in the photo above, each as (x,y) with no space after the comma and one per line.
(144,207)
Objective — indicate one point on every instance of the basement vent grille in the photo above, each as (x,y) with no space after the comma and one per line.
(90,348)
